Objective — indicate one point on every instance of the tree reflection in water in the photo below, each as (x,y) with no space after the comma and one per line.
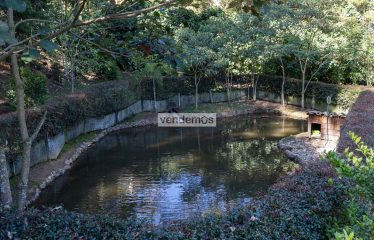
(168,174)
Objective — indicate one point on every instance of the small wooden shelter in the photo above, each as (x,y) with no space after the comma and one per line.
(325,125)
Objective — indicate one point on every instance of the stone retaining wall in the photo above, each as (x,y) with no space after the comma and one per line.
(50,147)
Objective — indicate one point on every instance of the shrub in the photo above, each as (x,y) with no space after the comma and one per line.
(342,96)
(66,111)
(109,71)
(35,87)
(298,207)
(356,219)
(360,120)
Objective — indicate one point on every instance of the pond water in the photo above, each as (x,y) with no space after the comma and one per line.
(166,174)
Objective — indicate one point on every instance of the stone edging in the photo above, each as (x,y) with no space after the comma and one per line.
(297,150)
(82,148)
(35,192)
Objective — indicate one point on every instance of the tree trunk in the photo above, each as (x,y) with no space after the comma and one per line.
(254,86)
(303,73)
(154,96)
(248,88)
(283,83)
(196,96)
(21,115)
(196,92)
(303,91)
(230,81)
(302,99)
(228,87)
(5,192)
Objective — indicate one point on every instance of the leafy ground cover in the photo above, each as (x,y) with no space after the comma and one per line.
(360,120)
(298,207)
(356,217)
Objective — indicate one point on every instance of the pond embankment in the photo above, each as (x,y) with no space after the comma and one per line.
(44,173)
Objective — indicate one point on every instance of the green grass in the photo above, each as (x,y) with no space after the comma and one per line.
(82,138)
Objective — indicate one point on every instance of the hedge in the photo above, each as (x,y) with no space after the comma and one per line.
(66,111)
(298,207)
(360,120)
(343,96)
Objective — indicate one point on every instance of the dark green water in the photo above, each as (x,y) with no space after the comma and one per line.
(164,174)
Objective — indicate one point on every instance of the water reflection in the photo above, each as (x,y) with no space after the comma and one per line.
(167,174)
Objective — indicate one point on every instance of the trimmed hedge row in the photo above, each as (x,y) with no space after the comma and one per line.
(64,112)
(299,207)
(360,120)
(342,96)
(172,85)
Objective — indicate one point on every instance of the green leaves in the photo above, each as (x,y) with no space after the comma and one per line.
(34,53)
(49,46)
(3,27)
(16,5)
(4,34)
(30,55)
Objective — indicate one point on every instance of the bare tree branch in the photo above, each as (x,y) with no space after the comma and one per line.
(37,130)
(315,73)
(66,27)
(33,20)
(100,47)
(121,16)
(19,43)
(76,16)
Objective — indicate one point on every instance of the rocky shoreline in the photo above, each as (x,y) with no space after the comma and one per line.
(303,150)
(298,150)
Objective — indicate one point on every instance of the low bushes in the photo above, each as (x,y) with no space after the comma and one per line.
(63,112)
(298,207)
(360,120)
(356,217)
(35,87)
(342,96)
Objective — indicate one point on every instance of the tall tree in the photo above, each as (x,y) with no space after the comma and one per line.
(309,34)
(198,58)
(281,46)
(32,44)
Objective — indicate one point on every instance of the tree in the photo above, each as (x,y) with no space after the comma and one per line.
(355,36)
(32,45)
(280,22)
(154,72)
(198,59)
(5,192)
(224,44)
(309,35)
(253,46)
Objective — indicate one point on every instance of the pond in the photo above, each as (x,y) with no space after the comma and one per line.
(167,174)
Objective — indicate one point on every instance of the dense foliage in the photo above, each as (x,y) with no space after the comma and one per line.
(95,101)
(296,208)
(356,219)
(342,96)
(329,41)
(209,46)
(35,88)
(360,120)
